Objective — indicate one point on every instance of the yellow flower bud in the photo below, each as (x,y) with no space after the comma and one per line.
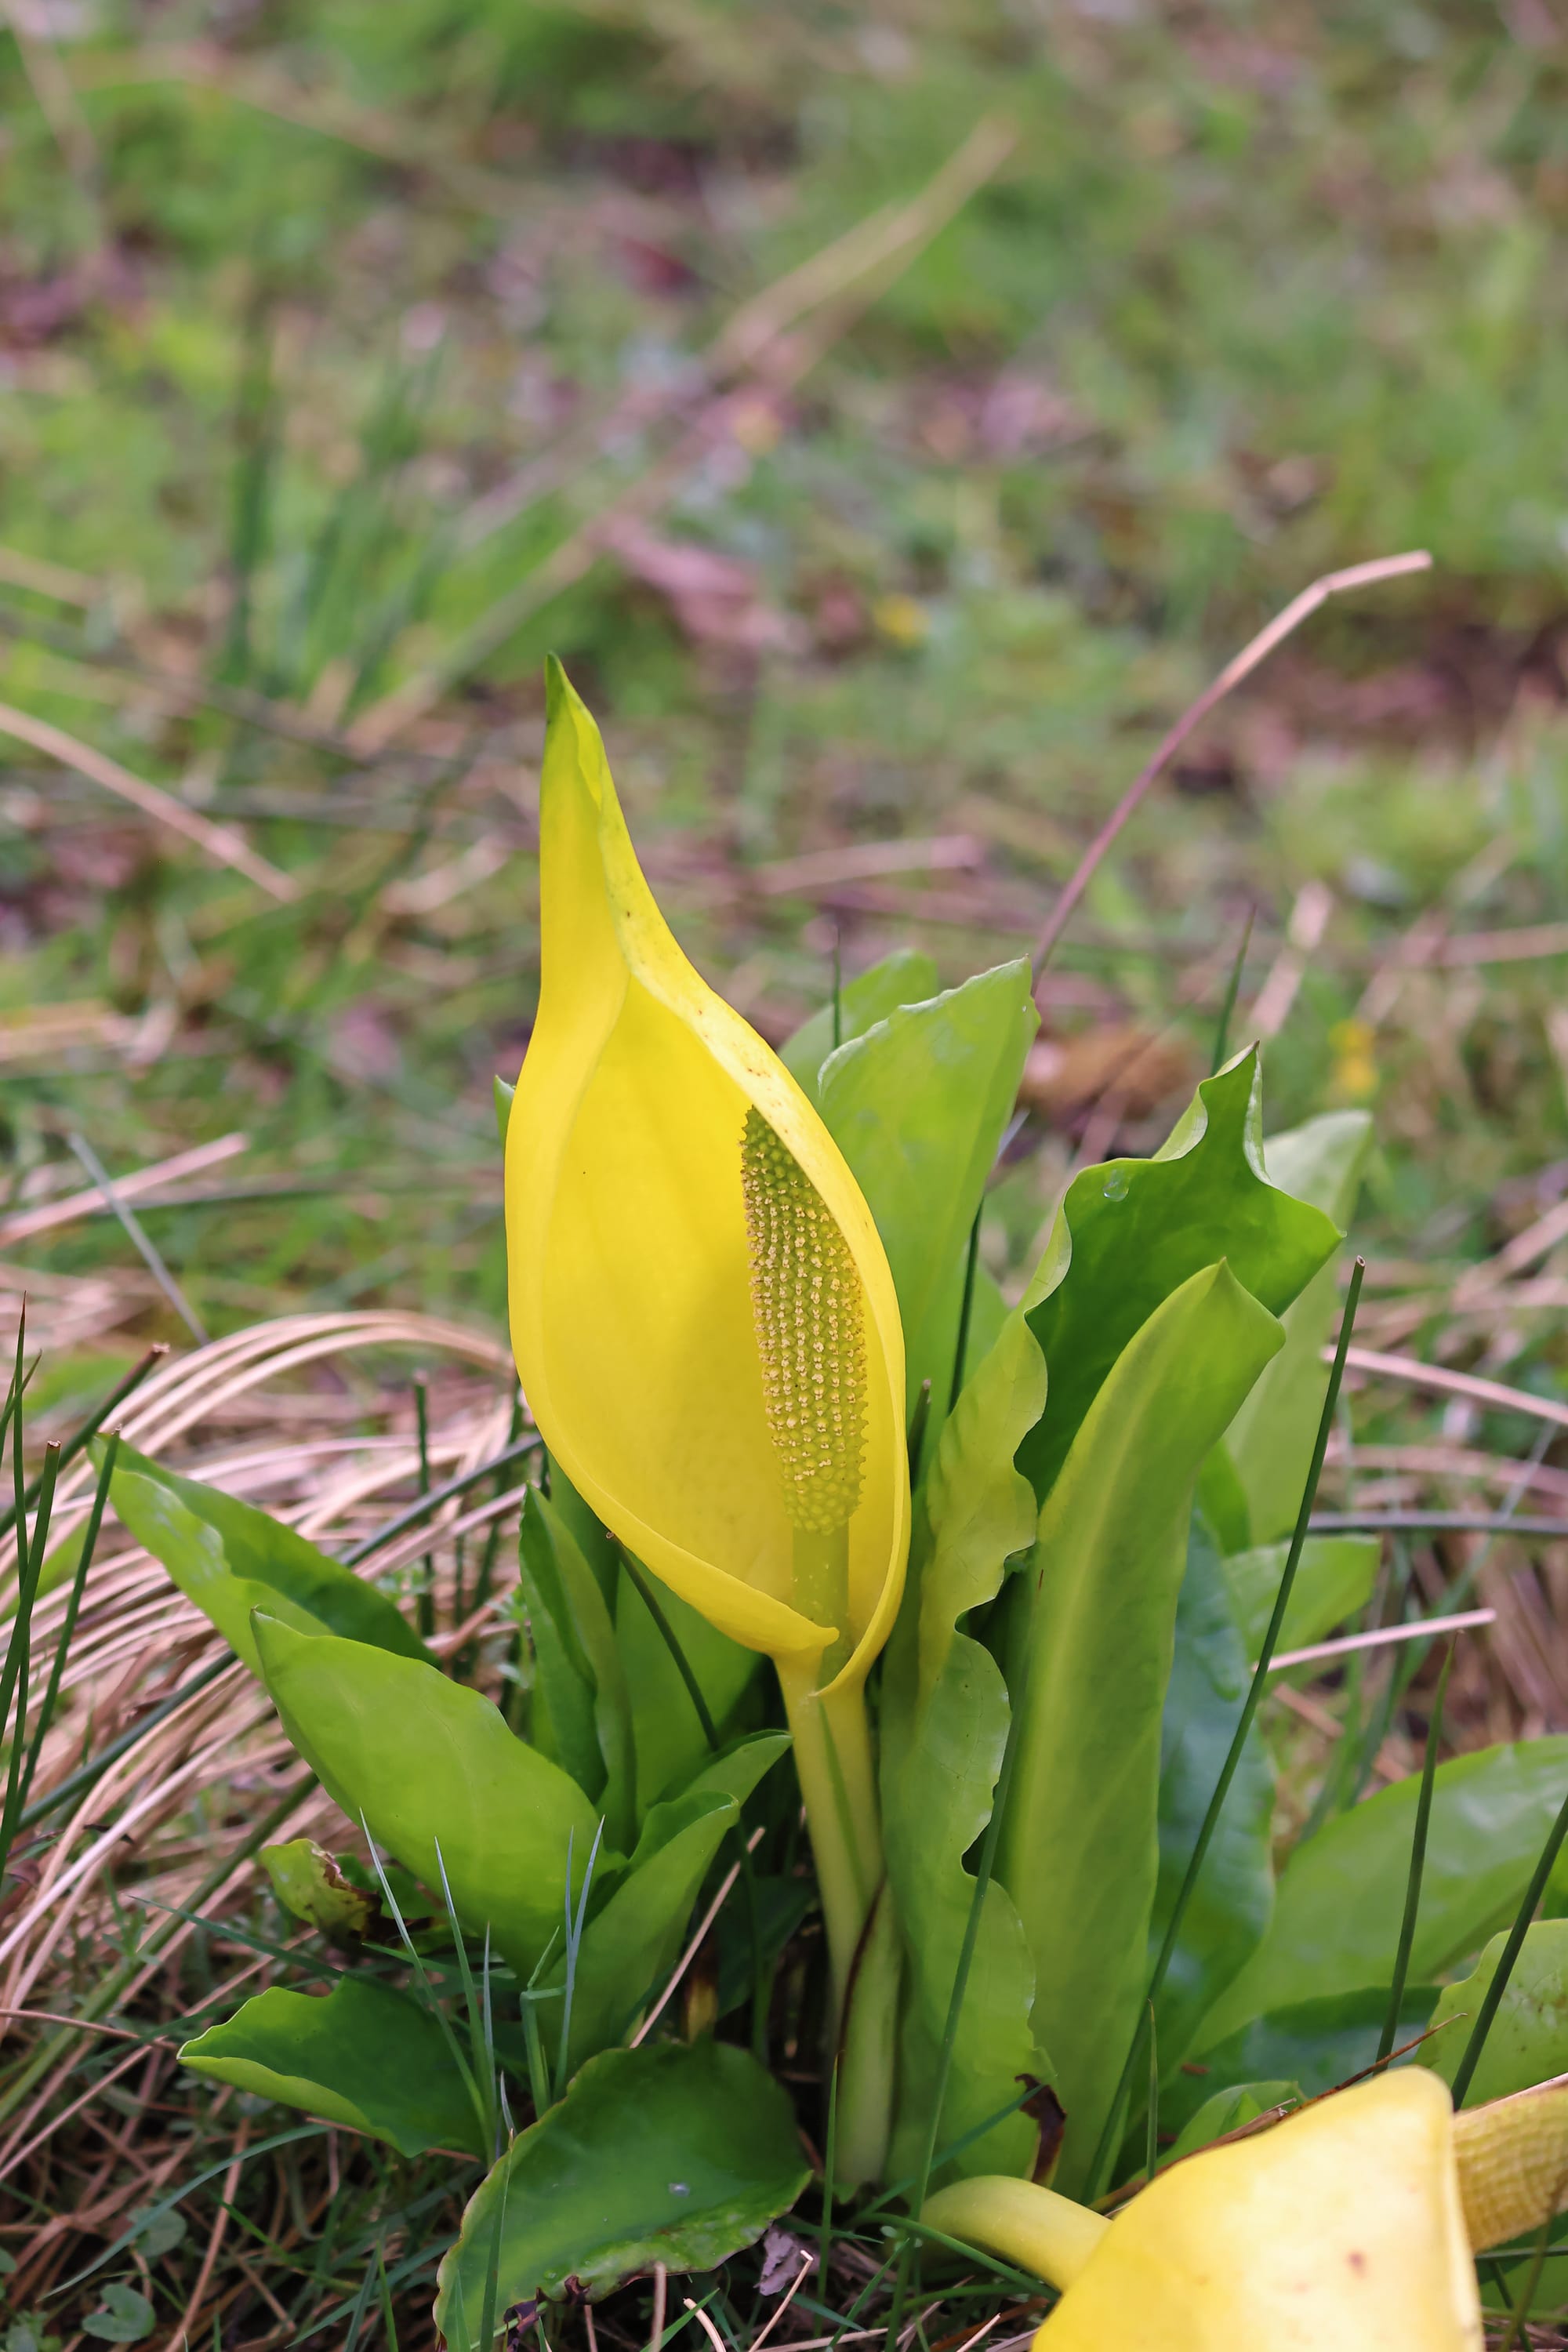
(701,1310)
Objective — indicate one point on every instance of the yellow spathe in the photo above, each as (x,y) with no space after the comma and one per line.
(633,1319)
(1343,2227)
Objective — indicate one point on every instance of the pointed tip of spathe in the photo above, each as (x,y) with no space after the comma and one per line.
(574,757)
(562,699)
(559,690)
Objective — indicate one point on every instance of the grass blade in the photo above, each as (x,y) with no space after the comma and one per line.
(14,1675)
(961,1345)
(672,1643)
(88,1429)
(134,1234)
(1510,1952)
(1417,1865)
(1222,1033)
(434,1500)
(574,1927)
(426,1606)
(67,1628)
(1152,2143)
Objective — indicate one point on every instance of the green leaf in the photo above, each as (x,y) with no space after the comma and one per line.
(29,2332)
(1527,2041)
(123,2317)
(1333,1579)
(670,1742)
(1317,2044)
(308,1883)
(736,1769)
(1223,1501)
(906,977)
(503,1092)
(1090,1654)
(673,2153)
(364,2056)
(582,1710)
(630,1945)
(1226,2111)
(1130,1233)
(1341,1896)
(1230,1905)
(632,1942)
(944,1727)
(154,2230)
(230,1559)
(918,1106)
(425,1761)
(587,1530)
(1550,2293)
(782,1903)
(1271,1442)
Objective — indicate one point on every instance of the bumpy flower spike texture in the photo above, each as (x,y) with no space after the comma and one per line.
(806,1295)
(807,1306)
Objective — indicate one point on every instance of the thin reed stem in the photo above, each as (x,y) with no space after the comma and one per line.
(1417,1865)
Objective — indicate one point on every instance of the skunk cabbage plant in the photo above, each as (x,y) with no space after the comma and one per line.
(746,1297)
(706,1327)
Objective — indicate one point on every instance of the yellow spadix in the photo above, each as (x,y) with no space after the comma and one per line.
(1350,2224)
(702,1313)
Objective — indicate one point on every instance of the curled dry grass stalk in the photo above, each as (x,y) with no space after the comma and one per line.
(108,1910)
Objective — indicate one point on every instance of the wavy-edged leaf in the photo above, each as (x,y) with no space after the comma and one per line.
(673,2153)
(426,1761)
(364,2056)
(1340,1898)
(945,1717)
(1270,1441)
(1130,1233)
(918,1104)
(1231,1903)
(582,1709)
(1527,2041)
(1088,1660)
(230,1559)
(908,976)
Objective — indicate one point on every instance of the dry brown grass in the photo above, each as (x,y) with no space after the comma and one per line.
(310,1417)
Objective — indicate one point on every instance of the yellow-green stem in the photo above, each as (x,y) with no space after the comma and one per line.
(837,1782)
(822,1588)
(867,2052)
(1033,2227)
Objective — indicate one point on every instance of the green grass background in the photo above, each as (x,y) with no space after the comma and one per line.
(286,289)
